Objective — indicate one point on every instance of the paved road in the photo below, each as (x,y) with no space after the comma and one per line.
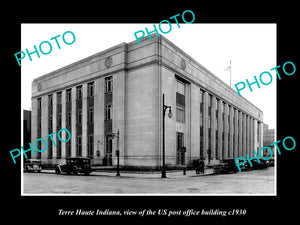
(251,182)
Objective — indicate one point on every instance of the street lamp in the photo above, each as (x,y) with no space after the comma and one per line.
(165,107)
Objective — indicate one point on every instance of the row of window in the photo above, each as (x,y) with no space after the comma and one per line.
(90,117)
(244,124)
(79,93)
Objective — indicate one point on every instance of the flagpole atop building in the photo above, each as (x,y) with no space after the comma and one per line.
(229,68)
(230,73)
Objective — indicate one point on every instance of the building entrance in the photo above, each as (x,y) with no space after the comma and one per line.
(108,152)
(180,150)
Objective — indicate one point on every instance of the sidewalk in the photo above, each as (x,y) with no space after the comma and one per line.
(144,174)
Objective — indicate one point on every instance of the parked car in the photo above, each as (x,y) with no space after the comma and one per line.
(246,166)
(32,165)
(226,166)
(270,162)
(75,165)
(257,165)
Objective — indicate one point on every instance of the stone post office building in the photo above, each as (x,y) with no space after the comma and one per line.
(121,89)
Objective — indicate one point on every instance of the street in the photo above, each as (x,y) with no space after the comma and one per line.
(250,182)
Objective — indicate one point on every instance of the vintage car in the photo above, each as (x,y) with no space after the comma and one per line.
(262,164)
(75,165)
(226,166)
(271,162)
(246,166)
(32,165)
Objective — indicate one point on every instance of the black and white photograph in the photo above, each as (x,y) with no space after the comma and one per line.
(178,115)
(146,114)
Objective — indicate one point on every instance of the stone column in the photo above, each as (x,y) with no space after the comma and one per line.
(213,128)
(231,130)
(244,134)
(220,128)
(205,126)
(54,148)
(73,123)
(44,131)
(226,131)
(63,134)
(99,121)
(240,134)
(236,150)
(84,120)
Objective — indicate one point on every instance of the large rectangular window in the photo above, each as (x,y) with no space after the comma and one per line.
(68,95)
(69,119)
(90,89)
(79,117)
(90,146)
(78,146)
(108,84)
(180,102)
(58,101)
(108,112)
(90,118)
(79,92)
(180,114)
(180,87)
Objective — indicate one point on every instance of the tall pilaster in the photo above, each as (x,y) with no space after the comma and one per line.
(84,120)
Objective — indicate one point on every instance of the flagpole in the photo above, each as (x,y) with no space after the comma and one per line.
(230,73)
(229,68)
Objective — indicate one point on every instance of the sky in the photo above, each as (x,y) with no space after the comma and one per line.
(250,47)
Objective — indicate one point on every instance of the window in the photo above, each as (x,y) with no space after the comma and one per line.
(69,95)
(39,103)
(59,120)
(69,119)
(180,87)
(90,89)
(108,111)
(180,114)
(78,146)
(58,149)
(201,119)
(91,114)
(68,149)
(58,98)
(90,146)
(108,84)
(79,92)
(50,148)
(50,124)
(50,101)
(180,102)
(217,103)
(79,116)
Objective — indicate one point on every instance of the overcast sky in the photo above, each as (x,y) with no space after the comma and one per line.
(250,47)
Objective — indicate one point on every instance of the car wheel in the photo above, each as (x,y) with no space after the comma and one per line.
(57,170)
(75,170)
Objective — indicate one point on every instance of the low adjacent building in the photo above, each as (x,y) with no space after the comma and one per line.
(269,138)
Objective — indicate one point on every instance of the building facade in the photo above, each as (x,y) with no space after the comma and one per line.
(27,131)
(121,89)
(268,139)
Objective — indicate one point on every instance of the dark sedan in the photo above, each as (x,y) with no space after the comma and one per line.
(32,165)
(226,166)
(262,164)
(75,165)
